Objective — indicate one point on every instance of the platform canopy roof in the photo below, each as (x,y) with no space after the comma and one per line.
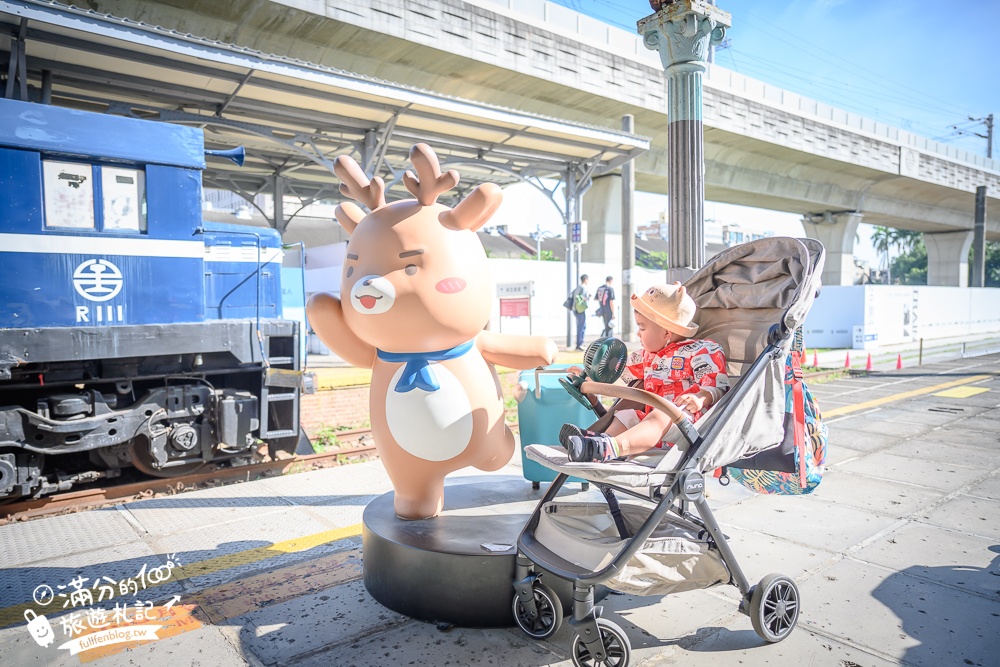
(294,118)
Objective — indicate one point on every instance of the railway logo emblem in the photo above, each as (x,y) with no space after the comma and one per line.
(98,280)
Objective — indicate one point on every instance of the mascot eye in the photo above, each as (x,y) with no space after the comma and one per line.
(411,269)
(350,270)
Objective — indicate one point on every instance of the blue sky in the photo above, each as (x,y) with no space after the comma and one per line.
(920,66)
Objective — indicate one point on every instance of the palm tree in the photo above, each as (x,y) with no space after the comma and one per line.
(885,239)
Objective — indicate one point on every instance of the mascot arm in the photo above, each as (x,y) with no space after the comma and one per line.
(513,351)
(326,317)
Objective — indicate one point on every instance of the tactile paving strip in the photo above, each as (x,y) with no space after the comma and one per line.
(38,540)
(173,514)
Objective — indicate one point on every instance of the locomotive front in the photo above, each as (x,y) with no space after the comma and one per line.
(131,333)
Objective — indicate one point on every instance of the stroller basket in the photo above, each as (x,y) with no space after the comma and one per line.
(675,557)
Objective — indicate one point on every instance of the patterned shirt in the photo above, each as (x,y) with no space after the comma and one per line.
(684,367)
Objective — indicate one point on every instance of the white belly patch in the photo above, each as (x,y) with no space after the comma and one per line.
(435,425)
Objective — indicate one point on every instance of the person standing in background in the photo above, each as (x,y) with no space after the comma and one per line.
(580,297)
(605,296)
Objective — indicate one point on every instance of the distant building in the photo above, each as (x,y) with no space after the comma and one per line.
(718,236)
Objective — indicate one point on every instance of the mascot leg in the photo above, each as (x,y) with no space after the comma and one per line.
(418,496)
(501,446)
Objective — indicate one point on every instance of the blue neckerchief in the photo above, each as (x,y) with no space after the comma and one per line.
(418,372)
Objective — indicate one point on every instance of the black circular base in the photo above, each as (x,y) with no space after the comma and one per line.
(458,567)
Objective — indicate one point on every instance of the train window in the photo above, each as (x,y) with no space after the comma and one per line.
(123,193)
(69,194)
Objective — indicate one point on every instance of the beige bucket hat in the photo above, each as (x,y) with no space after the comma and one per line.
(669,306)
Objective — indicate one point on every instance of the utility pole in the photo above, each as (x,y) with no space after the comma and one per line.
(979,240)
(989,136)
(988,122)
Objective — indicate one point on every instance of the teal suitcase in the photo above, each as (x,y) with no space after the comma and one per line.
(546,406)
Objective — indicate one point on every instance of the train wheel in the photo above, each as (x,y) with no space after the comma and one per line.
(142,459)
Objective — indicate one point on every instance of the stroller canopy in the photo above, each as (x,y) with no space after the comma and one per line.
(741,293)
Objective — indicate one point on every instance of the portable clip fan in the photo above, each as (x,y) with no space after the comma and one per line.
(603,361)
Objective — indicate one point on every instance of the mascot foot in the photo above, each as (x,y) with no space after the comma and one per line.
(413,509)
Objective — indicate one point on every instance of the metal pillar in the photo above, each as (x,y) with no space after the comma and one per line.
(628,236)
(17,67)
(979,240)
(572,216)
(279,221)
(682,32)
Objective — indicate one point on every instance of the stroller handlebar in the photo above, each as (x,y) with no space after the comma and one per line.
(639,395)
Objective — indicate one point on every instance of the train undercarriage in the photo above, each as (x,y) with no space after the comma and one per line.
(86,404)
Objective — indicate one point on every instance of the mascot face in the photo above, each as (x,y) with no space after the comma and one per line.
(410,284)
(415,278)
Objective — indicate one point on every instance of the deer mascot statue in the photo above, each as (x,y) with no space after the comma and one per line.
(416,295)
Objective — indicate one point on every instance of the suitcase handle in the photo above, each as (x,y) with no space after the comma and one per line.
(539,371)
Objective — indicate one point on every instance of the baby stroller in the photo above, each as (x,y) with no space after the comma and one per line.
(751,298)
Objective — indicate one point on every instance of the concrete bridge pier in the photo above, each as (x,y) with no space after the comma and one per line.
(837,232)
(602,209)
(948,258)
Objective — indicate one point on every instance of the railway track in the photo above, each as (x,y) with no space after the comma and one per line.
(357,445)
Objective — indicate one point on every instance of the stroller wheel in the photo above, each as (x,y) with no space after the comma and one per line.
(617,648)
(774,607)
(549,614)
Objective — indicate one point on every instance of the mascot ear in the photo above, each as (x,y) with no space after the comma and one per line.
(472,212)
(349,215)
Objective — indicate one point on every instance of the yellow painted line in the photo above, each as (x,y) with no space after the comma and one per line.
(874,403)
(962,392)
(15,614)
(335,378)
(263,553)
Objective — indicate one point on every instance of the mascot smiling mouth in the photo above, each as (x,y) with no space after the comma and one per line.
(373,295)
(369,301)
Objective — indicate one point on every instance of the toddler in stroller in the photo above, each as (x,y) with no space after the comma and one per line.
(690,372)
(751,298)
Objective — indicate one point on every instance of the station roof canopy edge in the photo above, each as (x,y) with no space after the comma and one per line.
(293,118)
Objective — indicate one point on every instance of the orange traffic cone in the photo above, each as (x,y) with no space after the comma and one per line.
(815,359)
(868,366)
(899,362)
(847,361)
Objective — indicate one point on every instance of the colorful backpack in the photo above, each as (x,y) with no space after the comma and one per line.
(796,466)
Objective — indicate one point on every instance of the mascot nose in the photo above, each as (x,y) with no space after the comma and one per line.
(367,283)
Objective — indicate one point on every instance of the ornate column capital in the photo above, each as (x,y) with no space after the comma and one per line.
(683,30)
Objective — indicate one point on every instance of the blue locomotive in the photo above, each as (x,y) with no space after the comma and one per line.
(131,333)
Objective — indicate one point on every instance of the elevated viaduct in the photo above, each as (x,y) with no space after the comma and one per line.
(764,146)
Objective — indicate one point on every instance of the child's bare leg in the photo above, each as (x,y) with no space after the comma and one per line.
(643,436)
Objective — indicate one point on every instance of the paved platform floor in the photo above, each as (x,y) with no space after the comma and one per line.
(897,557)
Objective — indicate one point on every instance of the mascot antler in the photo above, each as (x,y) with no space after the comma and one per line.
(430,182)
(355,184)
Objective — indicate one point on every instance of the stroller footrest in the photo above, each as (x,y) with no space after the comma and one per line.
(629,473)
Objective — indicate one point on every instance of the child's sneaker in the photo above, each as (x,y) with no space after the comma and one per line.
(571,429)
(599,447)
